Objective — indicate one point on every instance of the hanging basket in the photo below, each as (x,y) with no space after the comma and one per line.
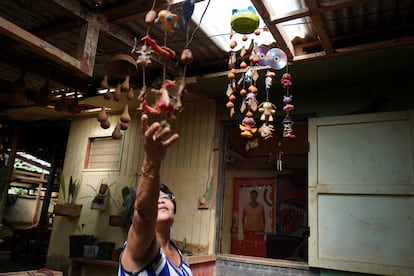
(68,210)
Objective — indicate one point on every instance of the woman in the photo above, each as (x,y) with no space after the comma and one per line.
(149,249)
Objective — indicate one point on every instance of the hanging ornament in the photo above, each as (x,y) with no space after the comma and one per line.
(168,21)
(244,21)
(287,127)
(187,12)
(267,109)
(286,82)
(163,104)
(247,126)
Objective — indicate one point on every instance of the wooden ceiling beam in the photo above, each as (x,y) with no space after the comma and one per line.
(74,8)
(305,11)
(314,11)
(87,46)
(354,35)
(42,47)
(340,5)
(361,48)
(45,71)
(111,29)
(319,26)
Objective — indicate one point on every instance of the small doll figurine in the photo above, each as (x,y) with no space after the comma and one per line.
(247,127)
(267,109)
(287,128)
(266,131)
(269,79)
(287,100)
(168,20)
(286,80)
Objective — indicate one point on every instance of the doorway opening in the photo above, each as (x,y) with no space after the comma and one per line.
(265,194)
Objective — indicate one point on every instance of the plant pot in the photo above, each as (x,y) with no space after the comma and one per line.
(117,221)
(68,210)
(90,251)
(77,243)
(105,250)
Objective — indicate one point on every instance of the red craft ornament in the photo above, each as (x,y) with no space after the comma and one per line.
(163,103)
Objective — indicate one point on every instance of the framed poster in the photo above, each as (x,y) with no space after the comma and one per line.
(253,215)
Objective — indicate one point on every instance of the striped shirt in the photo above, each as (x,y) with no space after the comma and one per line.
(160,266)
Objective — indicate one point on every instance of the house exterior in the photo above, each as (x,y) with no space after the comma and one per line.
(360,175)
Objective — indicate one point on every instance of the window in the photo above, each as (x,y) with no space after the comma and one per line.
(104,153)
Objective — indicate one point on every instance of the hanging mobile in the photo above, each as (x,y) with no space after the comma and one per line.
(287,100)
(267,109)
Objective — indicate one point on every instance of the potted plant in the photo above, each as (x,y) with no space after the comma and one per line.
(99,202)
(121,219)
(69,208)
(79,241)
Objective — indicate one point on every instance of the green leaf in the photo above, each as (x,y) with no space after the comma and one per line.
(63,188)
(125,193)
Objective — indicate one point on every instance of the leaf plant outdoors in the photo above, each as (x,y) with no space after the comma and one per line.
(70,195)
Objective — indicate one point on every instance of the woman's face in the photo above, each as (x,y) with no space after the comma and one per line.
(165,207)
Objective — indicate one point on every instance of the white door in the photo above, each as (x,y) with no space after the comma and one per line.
(361,193)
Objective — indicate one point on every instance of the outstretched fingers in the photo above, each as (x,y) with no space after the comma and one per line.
(155,134)
(171,140)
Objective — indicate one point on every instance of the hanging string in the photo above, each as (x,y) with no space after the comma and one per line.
(152,8)
(197,27)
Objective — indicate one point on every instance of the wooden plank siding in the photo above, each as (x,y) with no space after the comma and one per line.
(187,170)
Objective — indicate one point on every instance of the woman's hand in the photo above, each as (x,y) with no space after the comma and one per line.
(156,140)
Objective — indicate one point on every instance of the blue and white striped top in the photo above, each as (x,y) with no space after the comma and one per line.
(160,266)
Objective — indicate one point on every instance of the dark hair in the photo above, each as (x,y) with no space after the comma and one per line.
(129,203)
(166,190)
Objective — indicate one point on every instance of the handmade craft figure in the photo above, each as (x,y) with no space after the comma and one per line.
(163,51)
(287,128)
(286,80)
(247,127)
(163,103)
(250,102)
(251,144)
(244,21)
(287,100)
(187,12)
(269,79)
(168,20)
(266,131)
(267,109)
(144,57)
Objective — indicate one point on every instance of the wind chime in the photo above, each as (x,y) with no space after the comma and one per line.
(247,22)
(244,22)
(165,101)
(267,109)
(288,106)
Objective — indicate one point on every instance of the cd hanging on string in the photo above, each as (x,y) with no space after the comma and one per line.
(276,58)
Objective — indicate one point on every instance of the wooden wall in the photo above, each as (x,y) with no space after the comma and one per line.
(187,170)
